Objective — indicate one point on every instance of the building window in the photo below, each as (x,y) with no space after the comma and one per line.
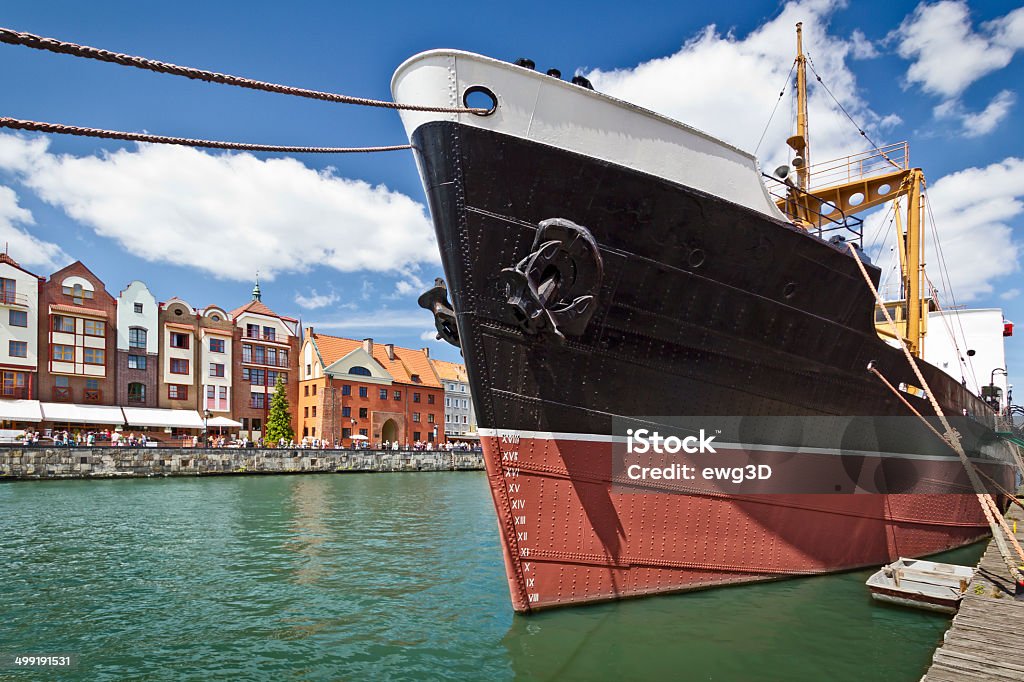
(179,340)
(363,432)
(8,290)
(63,323)
(314,410)
(282,356)
(430,399)
(305,412)
(257,400)
(18,349)
(305,431)
(179,366)
(363,413)
(136,362)
(61,388)
(430,418)
(95,328)
(136,337)
(269,333)
(216,345)
(216,369)
(447,402)
(62,353)
(314,385)
(254,376)
(92,391)
(18,318)
(364,392)
(257,425)
(415,416)
(246,352)
(136,392)
(346,412)
(305,390)
(398,395)
(346,389)
(309,370)
(77,292)
(415,397)
(346,432)
(61,382)
(415,435)
(462,388)
(138,311)
(14,385)
(252,331)
(273,376)
(177,391)
(271,356)
(415,378)
(222,392)
(211,397)
(94,356)
(359,371)
(383,395)
(465,419)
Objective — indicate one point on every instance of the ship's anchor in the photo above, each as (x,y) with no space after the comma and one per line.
(435,300)
(554,289)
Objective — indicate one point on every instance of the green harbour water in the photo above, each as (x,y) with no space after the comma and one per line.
(383,576)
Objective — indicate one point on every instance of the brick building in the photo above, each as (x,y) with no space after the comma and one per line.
(78,334)
(196,358)
(267,347)
(380,392)
(19,335)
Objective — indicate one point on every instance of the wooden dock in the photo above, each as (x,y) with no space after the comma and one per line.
(986,639)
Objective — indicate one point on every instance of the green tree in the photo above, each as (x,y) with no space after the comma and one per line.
(279,419)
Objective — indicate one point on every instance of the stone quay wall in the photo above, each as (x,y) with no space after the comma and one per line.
(19,463)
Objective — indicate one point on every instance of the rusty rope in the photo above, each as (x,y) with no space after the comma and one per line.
(19,124)
(952,437)
(12,37)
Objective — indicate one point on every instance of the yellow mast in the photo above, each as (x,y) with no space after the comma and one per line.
(863,189)
(800,142)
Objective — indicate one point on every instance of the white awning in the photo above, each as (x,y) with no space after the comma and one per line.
(68,413)
(21,410)
(151,416)
(223,422)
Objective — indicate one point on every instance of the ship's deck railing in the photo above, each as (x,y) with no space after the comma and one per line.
(894,157)
(824,225)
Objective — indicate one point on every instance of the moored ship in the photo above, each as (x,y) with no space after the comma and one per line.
(608,265)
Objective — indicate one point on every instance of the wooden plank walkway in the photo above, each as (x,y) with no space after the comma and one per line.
(986,639)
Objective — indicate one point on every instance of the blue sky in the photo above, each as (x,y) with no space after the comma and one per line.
(350,232)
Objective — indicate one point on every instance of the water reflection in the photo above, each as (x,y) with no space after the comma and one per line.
(310,504)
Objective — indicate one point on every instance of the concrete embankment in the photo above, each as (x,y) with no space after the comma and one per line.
(61,463)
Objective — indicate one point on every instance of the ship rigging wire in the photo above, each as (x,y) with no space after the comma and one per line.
(12,37)
(775,108)
(60,129)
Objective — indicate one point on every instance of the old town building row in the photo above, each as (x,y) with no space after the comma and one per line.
(72,355)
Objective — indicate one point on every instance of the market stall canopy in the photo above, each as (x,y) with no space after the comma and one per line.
(69,413)
(223,422)
(20,411)
(359,436)
(152,416)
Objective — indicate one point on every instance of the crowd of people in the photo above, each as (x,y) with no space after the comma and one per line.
(115,438)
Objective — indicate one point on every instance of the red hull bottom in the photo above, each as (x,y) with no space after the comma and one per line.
(568,537)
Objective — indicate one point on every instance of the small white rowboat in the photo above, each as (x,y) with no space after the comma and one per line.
(921,584)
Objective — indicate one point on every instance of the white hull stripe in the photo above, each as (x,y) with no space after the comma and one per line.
(606,438)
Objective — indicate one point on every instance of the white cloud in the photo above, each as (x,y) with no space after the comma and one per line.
(28,250)
(948,54)
(972,209)
(1010,294)
(315,300)
(861,47)
(727,85)
(431,335)
(978,123)
(227,214)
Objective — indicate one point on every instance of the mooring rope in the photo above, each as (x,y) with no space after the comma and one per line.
(60,129)
(952,437)
(12,37)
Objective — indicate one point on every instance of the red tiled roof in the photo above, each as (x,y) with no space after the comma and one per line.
(449,371)
(77,310)
(258,308)
(406,363)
